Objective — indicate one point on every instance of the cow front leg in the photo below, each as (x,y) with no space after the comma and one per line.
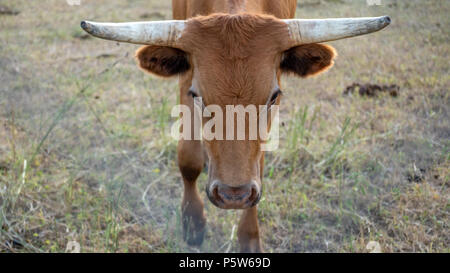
(248,231)
(190,162)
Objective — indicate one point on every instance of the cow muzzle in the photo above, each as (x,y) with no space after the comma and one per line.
(229,197)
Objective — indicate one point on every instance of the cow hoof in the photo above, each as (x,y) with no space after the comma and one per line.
(252,246)
(194,231)
(194,238)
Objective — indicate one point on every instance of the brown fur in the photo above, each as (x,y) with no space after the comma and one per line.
(184,9)
(236,50)
(235,44)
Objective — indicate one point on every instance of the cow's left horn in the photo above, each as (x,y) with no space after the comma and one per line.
(162,33)
(306,31)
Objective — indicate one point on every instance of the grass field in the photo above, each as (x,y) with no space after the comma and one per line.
(86,154)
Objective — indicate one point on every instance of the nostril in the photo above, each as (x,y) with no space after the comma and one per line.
(254,194)
(215,193)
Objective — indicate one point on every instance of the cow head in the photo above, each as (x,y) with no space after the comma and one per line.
(230,60)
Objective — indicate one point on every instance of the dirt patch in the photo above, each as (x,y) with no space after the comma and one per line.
(416,176)
(4,10)
(372,90)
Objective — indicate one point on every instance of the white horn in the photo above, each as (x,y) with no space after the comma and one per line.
(162,33)
(306,31)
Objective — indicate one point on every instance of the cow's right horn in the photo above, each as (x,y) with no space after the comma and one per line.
(306,31)
(162,33)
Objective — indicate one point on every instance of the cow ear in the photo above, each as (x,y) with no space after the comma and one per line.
(308,60)
(162,60)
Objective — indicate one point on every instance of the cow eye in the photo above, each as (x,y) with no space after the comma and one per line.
(197,99)
(274,97)
(192,94)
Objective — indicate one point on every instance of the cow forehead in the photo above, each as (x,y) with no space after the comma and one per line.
(235,83)
(235,56)
(235,36)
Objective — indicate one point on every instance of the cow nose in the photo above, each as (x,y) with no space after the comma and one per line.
(229,197)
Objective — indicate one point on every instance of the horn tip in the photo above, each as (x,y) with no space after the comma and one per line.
(386,20)
(86,26)
(83,24)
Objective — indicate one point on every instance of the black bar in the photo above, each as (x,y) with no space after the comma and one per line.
(186,262)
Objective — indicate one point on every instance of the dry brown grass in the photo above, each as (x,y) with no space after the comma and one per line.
(101,166)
